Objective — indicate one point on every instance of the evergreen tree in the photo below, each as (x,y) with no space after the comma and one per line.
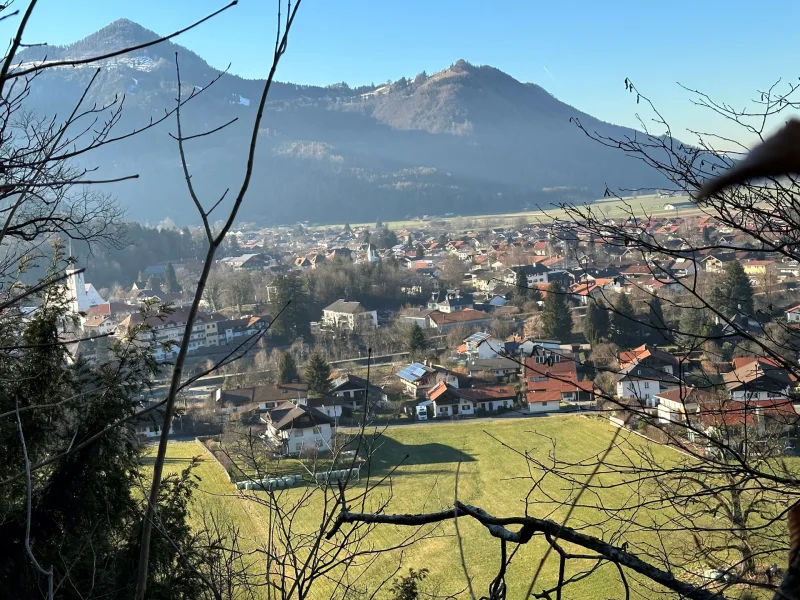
(417,341)
(153,283)
(625,330)
(737,291)
(556,314)
(596,322)
(171,285)
(318,374)
(287,369)
(521,290)
(420,252)
(85,511)
(291,297)
(691,326)
(347,228)
(659,332)
(378,224)
(140,277)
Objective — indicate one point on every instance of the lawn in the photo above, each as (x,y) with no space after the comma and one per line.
(491,477)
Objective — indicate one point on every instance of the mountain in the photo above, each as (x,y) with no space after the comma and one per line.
(466,140)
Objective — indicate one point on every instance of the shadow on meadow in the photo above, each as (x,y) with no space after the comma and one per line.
(388,453)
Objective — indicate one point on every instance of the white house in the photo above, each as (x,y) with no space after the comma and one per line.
(348,315)
(450,401)
(150,424)
(296,428)
(678,405)
(644,382)
(757,379)
(793,314)
(483,345)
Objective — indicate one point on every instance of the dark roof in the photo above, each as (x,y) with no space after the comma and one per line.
(265,393)
(351,382)
(297,416)
(488,364)
(642,371)
(345,306)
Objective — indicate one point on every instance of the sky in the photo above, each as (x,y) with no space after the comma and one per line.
(580,51)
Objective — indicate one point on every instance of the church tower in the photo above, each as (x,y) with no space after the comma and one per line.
(76,289)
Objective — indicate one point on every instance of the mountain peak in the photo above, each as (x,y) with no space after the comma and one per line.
(122,32)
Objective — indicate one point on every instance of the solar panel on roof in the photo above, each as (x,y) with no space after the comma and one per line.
(478,337)
(412,372)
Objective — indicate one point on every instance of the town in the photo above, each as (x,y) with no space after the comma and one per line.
(389,302)
(510,320)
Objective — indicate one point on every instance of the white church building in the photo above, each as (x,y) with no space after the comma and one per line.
(82,295)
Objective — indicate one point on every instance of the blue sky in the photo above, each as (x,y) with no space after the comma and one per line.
(579,51)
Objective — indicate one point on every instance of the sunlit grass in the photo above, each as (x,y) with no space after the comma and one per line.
(491,477)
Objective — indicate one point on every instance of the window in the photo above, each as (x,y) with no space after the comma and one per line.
(298,433)
(544,403)
(317,430)
(647,385)
(442,409)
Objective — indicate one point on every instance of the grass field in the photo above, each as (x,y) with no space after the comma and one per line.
(651,205)
(489,478)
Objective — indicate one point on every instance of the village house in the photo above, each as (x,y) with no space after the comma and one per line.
(793,314)
(550,382)
(150,424)
(450,301)
(262,398)
(484,345)
(353,390)
(757,268)
(245,262)
(297,428)
(680,404)
(450,401)
(351,315)
(536,273)
(168,331)
(757,379)
(97,325)
(418,316)
(228,330)
(417,378)
(499,368)
(469,316)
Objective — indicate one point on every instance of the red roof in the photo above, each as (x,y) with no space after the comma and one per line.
(437,390)
(562,377)
(733,412)
(490,392)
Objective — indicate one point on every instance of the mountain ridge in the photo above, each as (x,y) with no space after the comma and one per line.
(467,139)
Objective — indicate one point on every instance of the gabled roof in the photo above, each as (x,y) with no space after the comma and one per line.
(726,413)
(647,372)
(414,372)
(345,307)
(462,316)
(297,416)
(646,351)
(763,372)
(685,395)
